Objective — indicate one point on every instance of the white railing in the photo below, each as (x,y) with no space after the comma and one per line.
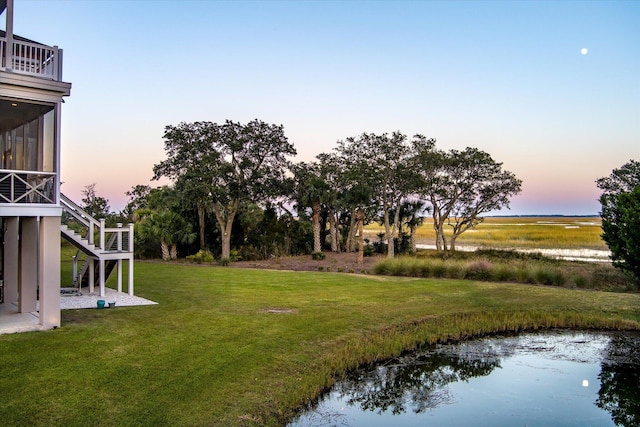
(27,187)
(31,58)
(117,239)
(87,222)
(114,239)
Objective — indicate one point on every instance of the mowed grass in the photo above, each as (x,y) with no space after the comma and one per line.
(520,232)
(212,354)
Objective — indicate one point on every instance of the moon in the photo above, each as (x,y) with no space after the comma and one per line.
(584,51)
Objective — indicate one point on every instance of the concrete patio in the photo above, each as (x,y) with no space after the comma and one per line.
(11,321)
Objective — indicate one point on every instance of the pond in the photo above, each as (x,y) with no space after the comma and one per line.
(557,378)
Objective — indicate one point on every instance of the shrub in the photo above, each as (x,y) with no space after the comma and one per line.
(368,250)
(382,268)
(478,270)
(456,270)
(548,276)
(201,257)
(224,262)
(234,256)
(250,253)
(439,269)
(503,273)
(581,281)
(425,269)
(318,256)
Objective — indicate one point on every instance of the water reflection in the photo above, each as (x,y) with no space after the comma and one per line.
(549,379)
(415,381)
(620,381)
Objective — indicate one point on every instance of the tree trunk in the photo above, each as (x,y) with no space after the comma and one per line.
(225,223)
(165,251)
(323,227)
(437,227)
(333,230)
(351,236)
(174,252)
(226,241)
(414,232)
(388,234)
(360,219)
(201,214)
(317,247)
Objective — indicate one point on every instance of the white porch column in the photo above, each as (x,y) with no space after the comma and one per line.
(49,272)
(11,258)
(102,277)
(130,283)
(119,275)
(28,278)
(92,272)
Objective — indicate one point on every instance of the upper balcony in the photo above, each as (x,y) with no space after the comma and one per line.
(20,55)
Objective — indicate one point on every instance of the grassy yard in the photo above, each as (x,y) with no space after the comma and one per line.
(228,346)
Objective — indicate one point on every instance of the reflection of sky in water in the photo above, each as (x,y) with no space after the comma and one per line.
(535,380)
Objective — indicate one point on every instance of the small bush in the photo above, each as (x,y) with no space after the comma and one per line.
(581,281)
(224,261)
(439,269)
(456,270)
(201,257)
(382,268)
(318,256)
(368,250)
(425,269)
(549,276)
(502,273)
(478,270)
(234,256)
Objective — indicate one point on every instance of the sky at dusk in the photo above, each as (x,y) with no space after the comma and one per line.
(507,77)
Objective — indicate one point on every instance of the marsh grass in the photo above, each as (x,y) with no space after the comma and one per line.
(521,232)
(507,266)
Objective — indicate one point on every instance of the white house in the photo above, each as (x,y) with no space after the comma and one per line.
(31,93)
(31,205)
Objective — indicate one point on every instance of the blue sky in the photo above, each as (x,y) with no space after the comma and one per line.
(507,77)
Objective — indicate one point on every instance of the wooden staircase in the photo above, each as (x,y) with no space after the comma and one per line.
(103,248)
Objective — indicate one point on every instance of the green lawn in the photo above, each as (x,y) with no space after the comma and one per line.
(210,354)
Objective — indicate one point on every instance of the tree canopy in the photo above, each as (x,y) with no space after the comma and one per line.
(221,165)
(461,186)
(241,173)
(620,214)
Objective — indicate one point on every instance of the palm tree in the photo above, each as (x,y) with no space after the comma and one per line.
(310,192)
(412,212)
(166,226)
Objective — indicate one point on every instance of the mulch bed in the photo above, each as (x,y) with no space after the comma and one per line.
(335,262)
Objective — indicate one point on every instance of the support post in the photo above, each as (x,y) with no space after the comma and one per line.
(130,284)
(102,242)
(102,279)
(49,272)
(28,278)
(92,275)
(119,275)
(11,260)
